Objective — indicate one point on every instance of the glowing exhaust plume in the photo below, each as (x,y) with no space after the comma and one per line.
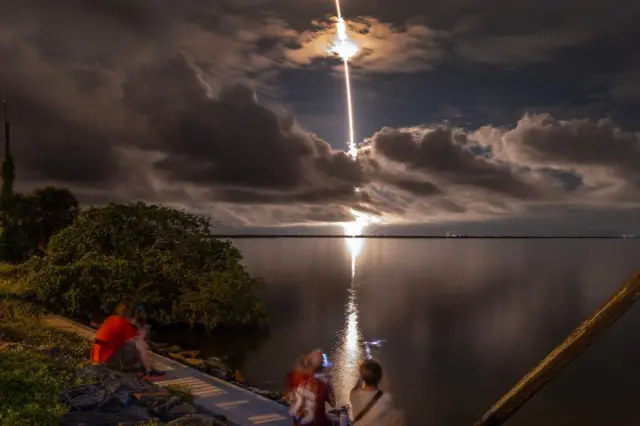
(346,49)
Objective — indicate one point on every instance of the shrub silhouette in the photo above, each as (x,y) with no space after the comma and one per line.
(164,258)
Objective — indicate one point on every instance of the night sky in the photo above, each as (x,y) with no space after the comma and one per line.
(479,116)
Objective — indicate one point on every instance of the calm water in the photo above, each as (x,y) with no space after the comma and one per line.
(463,321)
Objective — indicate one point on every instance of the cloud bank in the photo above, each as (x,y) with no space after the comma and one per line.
(161,105)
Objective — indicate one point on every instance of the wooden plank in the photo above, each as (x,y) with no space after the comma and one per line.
(579,340)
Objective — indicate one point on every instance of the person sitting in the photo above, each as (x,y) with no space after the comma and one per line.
(313,394)
(370,406)
(118,344)
(299,373)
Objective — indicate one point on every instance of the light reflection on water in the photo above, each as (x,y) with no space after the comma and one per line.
(348,352)
(463,319)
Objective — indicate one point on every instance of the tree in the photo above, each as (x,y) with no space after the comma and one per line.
(28,222)
(56,208)
(164,258)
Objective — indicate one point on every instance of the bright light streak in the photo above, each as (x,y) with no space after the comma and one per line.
(353,149)
(350,351)
(346,49)
(352,348)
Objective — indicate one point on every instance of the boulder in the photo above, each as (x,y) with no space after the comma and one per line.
(218,372)
(170,349)
(194,362)
(183,408)
(189,354)
(216,362)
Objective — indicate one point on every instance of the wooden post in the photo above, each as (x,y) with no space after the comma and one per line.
(580,339)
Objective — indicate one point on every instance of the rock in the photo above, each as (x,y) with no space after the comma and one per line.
(183,408)
(219,373)
(194,362)
(170,349)
(200,420)
(216,362)
(160,392)
(239,377)
(129,415)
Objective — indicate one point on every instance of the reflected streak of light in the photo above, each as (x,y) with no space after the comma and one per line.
(349,352)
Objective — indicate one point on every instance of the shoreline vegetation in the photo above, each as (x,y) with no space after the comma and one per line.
(56,258)
(162,258)
(39,363)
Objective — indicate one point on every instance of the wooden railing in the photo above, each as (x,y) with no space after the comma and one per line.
(579,340)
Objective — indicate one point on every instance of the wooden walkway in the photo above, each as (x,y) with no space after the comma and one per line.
(240,406)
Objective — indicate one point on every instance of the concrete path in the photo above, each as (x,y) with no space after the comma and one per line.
(240,406)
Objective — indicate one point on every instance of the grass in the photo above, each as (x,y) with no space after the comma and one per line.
(31,376)
(31,373)
(13,281)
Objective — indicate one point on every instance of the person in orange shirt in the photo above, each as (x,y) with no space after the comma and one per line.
(116,343)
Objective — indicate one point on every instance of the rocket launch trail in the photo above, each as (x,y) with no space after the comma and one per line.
(346,49)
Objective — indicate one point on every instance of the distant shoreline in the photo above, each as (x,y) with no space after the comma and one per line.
(425,237)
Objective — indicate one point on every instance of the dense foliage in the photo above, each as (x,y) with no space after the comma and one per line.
(29,221)
(164,258)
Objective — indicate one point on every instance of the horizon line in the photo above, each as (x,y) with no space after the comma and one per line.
(397,236)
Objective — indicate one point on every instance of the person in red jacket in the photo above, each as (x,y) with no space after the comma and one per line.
(115,342)
(312,395)
(299,373)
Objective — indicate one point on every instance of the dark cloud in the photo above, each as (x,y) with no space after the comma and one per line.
(578,144)
(235,143)
(168,103)
(448,153)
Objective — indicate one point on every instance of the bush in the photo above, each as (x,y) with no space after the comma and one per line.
(164,258)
